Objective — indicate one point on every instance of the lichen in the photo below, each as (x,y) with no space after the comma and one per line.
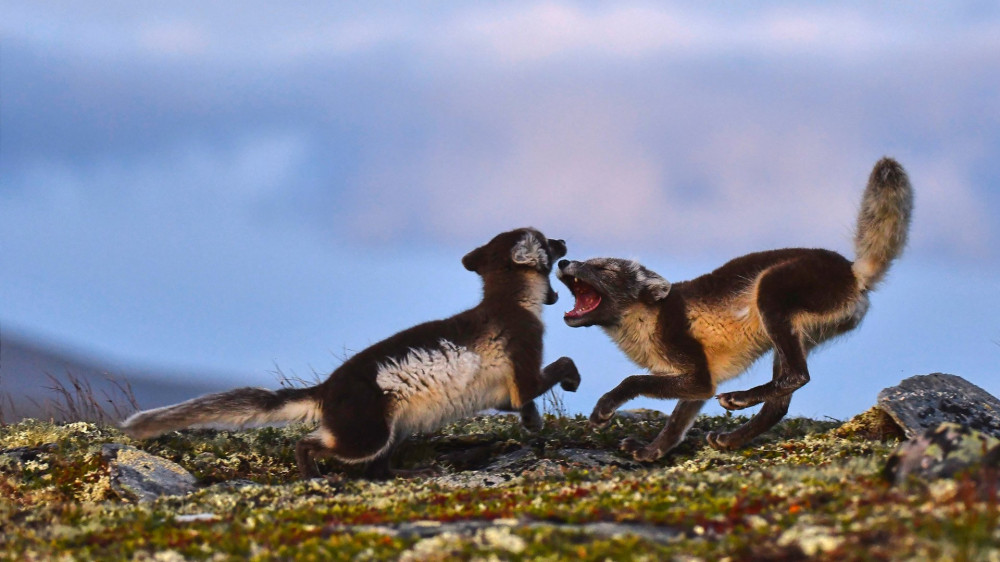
(804,489)
(874,423)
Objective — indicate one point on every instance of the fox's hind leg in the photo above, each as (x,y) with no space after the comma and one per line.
(769,415)
(365,437)
(311,447)
(816,285)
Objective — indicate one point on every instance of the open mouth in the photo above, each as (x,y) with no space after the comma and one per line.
(587,299)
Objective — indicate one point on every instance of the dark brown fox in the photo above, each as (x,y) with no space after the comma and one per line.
(489,356)
(695,334)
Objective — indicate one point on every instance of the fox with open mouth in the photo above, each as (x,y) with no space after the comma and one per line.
(693,335)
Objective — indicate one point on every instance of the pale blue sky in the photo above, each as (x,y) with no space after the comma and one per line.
(221,188)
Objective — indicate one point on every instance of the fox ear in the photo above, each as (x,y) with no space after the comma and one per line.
(473,260)
(557,247)
(529,251)
(652,287)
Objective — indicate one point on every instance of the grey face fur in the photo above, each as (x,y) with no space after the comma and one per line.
(604,287)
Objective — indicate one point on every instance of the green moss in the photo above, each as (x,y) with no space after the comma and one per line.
(874,423)
(803,489)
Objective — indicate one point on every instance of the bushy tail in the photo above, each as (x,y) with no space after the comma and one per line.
(883,222)
(232,409)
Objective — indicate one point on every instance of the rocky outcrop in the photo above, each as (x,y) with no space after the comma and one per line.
(924,402)
(947,451)
(953,428)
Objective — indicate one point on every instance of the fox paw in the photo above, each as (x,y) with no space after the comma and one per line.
(566,373)
(720,441)
(603,412)
(736,400)
(599,419)
(639,450)
(531,420)
(571,382)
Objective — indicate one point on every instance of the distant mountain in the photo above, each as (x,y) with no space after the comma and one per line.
(41,380)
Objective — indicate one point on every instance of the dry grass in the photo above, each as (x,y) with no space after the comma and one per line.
(75,399)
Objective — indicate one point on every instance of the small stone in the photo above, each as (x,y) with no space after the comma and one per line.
(197,518)
(18,456)
(140,476)
(525,463)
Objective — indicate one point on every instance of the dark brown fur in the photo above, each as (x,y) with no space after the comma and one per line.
(489,356)
(695,334)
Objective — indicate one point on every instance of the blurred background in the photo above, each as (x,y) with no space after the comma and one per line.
(196,196)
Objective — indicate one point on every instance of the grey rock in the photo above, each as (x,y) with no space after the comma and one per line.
(924,402)
(418,529)
(196,518)
(18,456)
(428,529)
(504,469)
(525,463)
(610,530)
(946,451)
(641,414)
(140,476)
(593,459)
(237,485)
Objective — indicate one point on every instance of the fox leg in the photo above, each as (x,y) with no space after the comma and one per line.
(365,437)
(562,371)
(696,385)
(672,434)
(774,409)
(790,374)
(782,292)
(770,414)
(308,449)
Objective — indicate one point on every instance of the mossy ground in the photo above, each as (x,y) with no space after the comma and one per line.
(803,490)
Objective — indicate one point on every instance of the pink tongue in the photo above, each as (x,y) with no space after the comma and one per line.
(585,302)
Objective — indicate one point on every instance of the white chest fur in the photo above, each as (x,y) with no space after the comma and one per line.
(637,336)
(432,387)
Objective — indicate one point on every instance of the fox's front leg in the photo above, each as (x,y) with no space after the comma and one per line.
(562,371)
(697,385)
(531,418)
